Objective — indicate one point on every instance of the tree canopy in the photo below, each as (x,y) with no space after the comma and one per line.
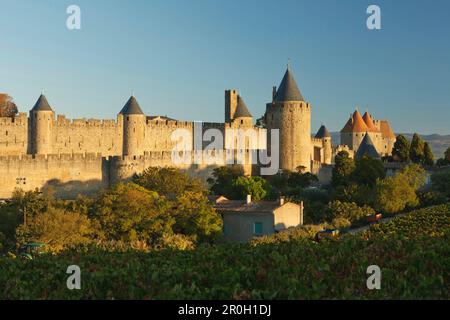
(428,157)
(7,106)
(343,168)
(416,151)
(394,194)
(400,151)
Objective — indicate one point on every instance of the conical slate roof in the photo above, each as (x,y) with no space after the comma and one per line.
(288,89)
(241,109)
(323,133)
(355,124)
(41,104)
(367,148)
(131,107)
(369,122)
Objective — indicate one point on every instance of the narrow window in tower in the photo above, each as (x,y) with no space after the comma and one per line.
(6,132)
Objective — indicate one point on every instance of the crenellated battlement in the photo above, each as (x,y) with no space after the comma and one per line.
(317,140)
(62,121)
(167,123)
(51,157)
(20,120)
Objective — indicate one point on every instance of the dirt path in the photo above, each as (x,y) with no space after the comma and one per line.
(366,227)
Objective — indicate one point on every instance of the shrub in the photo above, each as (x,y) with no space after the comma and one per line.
(175,242)
(341,223)
(257,187)
(57,228)
(441,182)
(396,193)
(348,210)
(430,198)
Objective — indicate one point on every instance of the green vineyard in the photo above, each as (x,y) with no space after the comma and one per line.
(413,252)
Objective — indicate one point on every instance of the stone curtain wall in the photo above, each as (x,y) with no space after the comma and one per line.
(14,135)
(67,175)
(87,136)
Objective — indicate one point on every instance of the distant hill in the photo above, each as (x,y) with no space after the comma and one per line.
(438,143)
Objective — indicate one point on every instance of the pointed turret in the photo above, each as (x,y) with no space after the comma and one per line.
(134,122)
(367,148)
(369,122)
(290,114)
(241,109)
(355,124)
(42,121)
(42,104)
(323,133)
(288,89)
(131,107)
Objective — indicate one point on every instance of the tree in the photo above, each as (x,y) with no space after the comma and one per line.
(428,157)
(358,193)
(10,219)
(168,182)
(222,178)
(289,183)
(440,182)
(257,187)
(416,151)
(129,213)
(445,161)
(57,228)
(187,202)
(7,107)
(367,171)
(342,169)
(348,210)
(394,194)
(196,218)
(400,152)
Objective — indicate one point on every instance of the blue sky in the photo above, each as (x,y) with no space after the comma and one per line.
(179,56)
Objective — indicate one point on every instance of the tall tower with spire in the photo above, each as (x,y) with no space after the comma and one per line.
(133,128)
(291,115)
(42,119)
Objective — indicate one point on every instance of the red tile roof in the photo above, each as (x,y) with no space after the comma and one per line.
(355,124)
(386,130)
(369,122)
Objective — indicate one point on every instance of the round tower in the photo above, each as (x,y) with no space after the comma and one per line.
(242,117)
(325,136)
(246,140)
(133,128)
(42,120)
(291,115)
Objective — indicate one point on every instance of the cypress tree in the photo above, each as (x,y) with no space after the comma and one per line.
(428,155)
(400,152)
(416,152)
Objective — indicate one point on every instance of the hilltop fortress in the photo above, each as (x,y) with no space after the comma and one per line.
(81,156)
